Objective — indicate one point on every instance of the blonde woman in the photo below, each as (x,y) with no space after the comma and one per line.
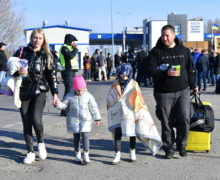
(39,74)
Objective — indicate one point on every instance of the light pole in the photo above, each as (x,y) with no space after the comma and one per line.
(124,30)
(113,44)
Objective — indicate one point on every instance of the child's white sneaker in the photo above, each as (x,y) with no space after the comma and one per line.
(30,158)
(78,156)
(133,155)
(86,157)
(42,151)
(117,158)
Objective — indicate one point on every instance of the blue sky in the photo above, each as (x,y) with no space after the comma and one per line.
(96,14)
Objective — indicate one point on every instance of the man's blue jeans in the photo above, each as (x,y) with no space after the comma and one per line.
(202,77)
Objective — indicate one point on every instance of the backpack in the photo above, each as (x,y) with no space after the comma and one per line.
(87,65)
(202,116)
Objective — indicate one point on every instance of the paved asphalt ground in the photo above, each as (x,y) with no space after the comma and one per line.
(60,163)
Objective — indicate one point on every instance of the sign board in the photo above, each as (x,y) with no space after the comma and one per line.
(195,31)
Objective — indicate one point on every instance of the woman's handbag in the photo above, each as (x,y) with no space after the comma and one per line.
(30,90)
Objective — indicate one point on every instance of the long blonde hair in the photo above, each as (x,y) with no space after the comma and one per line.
(45,45)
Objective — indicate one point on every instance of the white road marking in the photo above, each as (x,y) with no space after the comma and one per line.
(11,125)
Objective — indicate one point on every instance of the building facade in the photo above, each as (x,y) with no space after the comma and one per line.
(56,34)
(186,30)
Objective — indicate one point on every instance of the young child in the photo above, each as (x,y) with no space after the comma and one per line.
(87,67)
(82,108)
(128,114)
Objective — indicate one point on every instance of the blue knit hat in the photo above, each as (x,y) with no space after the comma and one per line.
(124,69)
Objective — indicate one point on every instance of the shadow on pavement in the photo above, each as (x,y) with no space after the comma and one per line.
(17,110)
(63,147)
(9,109)
(11,154)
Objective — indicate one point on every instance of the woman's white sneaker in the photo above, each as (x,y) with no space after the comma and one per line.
(117,158)
(133,155)
(86,157)
(42,151)
(30,158)
(78,156)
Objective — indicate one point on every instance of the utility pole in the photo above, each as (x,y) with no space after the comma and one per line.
(113,44)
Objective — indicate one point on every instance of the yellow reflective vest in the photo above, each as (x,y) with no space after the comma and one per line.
(74,61)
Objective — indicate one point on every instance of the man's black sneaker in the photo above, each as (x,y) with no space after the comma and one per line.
(169,154)
(183,152)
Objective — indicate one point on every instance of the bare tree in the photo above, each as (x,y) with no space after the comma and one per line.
(11,25)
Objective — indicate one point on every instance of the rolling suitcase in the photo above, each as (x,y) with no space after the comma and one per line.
(198,141)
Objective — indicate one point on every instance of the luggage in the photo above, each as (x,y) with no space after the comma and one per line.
(198,141)
(202,116)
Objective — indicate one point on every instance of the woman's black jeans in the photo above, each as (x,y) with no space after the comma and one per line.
(31,114)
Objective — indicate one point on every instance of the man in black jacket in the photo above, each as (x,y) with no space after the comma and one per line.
(202,65)
(3,61)
(141,76)
(171,66)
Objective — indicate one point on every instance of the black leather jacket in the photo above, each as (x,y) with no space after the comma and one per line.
(37,69)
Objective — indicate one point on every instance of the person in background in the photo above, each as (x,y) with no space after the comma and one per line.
(217,67)
(117,59)
(69,61)
(94,65)
(87,67)
(211,67)
(171,66)
(124,57)
(82,108)
(141,76)
(40,66)
(3,61)
(202,66)
(101,64)
(196,54)
(133,61)
(109,65)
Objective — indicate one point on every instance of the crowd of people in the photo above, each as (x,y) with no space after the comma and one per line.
(207,68)
(169,67)
(100,67)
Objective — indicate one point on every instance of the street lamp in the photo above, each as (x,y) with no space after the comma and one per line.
(124,29)
(113,45)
